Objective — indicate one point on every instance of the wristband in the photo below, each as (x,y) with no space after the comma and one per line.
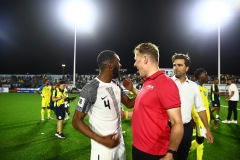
(174,153)
(126,114)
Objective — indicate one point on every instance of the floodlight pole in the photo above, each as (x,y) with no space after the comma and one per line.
(63,65)
(74,57)
(219,66)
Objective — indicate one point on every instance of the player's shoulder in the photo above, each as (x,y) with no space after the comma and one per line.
(91,86)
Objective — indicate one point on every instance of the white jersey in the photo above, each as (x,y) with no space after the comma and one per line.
(102,102)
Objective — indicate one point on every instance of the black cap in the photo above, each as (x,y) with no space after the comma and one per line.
(62,82)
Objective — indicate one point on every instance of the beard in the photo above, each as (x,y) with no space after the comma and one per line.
(115,72)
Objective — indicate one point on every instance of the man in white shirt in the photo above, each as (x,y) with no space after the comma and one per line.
(233,98)
(190,95)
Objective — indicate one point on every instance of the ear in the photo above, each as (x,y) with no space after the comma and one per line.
(187,68)
(145,59)
(110,65)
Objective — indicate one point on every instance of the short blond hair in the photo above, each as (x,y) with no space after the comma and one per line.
(149,49)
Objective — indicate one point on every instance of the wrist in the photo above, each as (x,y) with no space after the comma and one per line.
(174,153)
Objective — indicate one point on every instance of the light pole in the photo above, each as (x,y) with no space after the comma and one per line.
(213,13)
(74,57)
(63,65)
(219,62)
(80,14)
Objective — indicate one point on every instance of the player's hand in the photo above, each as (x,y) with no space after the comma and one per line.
(127,83)
(111,140)
(209,136)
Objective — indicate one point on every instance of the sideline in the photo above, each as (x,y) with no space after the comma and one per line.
(227,107)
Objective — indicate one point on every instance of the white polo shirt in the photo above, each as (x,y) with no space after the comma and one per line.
(234,88)
(189,95)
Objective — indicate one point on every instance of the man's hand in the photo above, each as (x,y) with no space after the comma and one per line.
(110,141)
(227,99)
(168,156)
(209,136)
(127,83)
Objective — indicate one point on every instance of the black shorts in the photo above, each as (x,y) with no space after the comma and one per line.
(216,103)
(52,106)
(60,112)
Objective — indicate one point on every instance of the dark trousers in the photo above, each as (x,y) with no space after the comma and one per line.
(185,144)
(140,155)
(232,107)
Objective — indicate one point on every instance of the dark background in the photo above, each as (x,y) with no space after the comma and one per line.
(34,39)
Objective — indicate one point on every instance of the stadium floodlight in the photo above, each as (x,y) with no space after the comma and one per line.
(210,14)
(63,65)
(80,14)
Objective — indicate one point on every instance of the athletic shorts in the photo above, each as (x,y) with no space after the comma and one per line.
(60,112)
(216,103)
(117,153)
(45,102)
(52,106)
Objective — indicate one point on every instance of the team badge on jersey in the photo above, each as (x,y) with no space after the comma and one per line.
(150,87)
(81,101)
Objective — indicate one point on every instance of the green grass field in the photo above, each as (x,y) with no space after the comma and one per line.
(24,136)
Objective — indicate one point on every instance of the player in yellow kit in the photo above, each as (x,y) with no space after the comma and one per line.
(202,77)
(45,91)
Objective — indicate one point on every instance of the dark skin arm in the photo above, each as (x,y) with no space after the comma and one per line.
(127,83)
(110,141)
(129,103)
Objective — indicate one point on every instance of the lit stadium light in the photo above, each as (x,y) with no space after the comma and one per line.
(208,14)
(79,13)
(82,15)
(211,14)
(63,65)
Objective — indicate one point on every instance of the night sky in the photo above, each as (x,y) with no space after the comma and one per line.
(35,39)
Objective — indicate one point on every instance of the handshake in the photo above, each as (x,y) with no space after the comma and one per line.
(69,99)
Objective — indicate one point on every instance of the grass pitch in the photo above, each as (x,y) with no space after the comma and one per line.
(24,136)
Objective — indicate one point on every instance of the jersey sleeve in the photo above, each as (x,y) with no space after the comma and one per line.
(87,98)
(169,95)
(199,105)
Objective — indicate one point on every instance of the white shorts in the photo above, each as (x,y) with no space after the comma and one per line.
(117,153)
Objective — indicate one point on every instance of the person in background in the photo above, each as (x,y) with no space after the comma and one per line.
(45,91)
(101,99)
(190,95)
(201,76)
(215,99)
(232,99)
(52,107)
(58,97)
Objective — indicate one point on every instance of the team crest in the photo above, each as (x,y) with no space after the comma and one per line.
(150,87)
(81,101)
